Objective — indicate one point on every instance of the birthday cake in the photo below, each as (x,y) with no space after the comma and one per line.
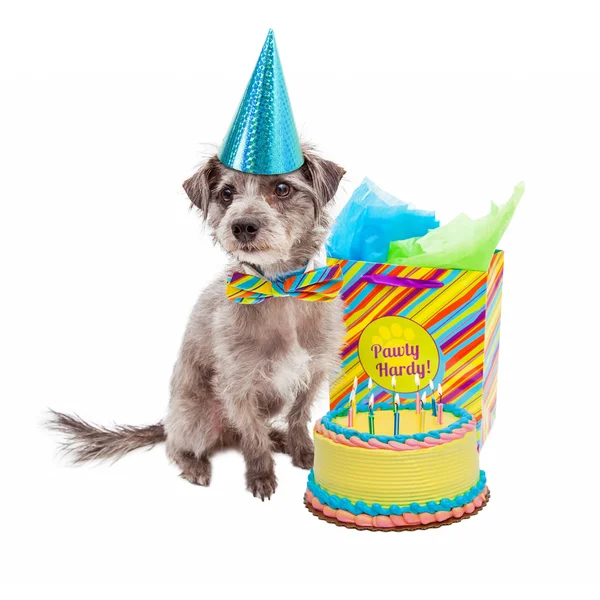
(426,475)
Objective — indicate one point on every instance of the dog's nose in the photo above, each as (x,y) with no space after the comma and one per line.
(245,230)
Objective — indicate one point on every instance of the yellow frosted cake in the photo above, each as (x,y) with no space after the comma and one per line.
(426,475)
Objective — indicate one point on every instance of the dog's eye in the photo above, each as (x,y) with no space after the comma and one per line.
(282,190)
(227,194)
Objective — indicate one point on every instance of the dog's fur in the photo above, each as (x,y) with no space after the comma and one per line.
(240,366)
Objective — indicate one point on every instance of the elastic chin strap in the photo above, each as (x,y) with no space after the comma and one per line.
(250,269)
(317,261)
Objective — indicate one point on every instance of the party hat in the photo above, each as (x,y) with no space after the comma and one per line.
(262,138)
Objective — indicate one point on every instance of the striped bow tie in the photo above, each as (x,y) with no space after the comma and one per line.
(320,285)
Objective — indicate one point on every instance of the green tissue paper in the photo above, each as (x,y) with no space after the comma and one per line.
(463,243)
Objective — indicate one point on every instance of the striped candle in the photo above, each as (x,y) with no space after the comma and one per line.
(372,414)
(433,402)
(418,398)
(352,404)
(351,409)
(440,407)
(395,406)
(397,414)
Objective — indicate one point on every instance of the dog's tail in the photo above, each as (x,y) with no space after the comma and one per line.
(84,441)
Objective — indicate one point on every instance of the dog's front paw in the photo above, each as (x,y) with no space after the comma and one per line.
(193,469)
(202,479)
(262,486)
(303,457)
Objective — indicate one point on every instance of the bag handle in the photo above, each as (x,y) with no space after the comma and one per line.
(403,281)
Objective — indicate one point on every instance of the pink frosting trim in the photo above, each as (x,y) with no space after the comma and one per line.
(377,444)
(356,441)
(410,444)
(403,520)
(399,446)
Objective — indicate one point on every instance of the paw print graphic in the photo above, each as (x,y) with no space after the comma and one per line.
(393,335)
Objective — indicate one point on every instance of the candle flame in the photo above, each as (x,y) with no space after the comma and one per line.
(371,400)
(355,385)
(424,397)
(370,383)
(393,381)
(397,399)
(431,386)
(439,389)
(417,380)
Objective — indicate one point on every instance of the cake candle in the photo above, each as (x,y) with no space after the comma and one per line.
(440,406)
(418,398)
(351,409)
(352,406)
(433,402)
(422,416)
(372,414)
(397,414)
(396,405)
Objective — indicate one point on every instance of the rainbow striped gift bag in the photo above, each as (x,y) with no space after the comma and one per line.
(440,324)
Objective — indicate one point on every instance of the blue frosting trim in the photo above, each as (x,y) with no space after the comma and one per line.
(375,509)
(464,416)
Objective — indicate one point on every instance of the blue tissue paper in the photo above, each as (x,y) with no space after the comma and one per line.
(371,220)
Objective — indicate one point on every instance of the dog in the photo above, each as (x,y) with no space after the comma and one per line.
(242,366)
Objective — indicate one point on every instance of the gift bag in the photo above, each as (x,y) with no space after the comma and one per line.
(440,324)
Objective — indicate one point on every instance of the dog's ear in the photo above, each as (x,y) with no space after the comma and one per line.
(324,175)
(199,186)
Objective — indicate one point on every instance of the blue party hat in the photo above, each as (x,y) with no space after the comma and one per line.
(262,138)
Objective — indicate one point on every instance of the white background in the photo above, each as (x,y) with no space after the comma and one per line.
(106,107)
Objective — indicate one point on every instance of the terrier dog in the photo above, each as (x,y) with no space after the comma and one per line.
(241,366)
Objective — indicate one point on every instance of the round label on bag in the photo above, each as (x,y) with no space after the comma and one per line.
(397,346)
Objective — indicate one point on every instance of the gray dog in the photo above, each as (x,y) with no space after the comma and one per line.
(241,366)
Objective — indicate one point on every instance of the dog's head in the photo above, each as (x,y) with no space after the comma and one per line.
(276,222)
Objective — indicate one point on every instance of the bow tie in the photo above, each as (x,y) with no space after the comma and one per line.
(320,285)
